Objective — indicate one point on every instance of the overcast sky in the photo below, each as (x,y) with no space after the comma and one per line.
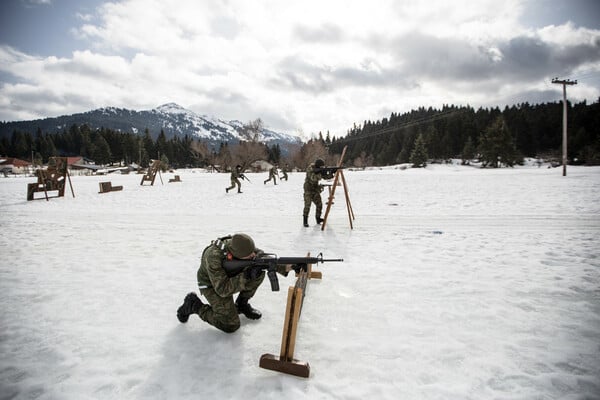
(302,66)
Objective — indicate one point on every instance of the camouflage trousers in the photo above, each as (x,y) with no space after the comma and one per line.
(233,183)
(312,196)
(221,312)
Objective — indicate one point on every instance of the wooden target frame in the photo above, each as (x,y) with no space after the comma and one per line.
(150,175)
(54,178)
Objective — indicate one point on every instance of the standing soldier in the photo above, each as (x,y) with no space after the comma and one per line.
(272,174)
(284,171)
(236,175)
(312,190)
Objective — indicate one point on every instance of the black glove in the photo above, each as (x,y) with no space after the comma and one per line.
(252,272)
(300,267)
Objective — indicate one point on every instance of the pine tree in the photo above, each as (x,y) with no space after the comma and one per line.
(418,157)
(161,144)
(100,150)
(468,152)
(496,145)
(164,162)
(148,150)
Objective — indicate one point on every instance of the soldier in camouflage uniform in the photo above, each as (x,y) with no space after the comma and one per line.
(312,191)
(284,172)
(218,288)
(272,175)
(236,175)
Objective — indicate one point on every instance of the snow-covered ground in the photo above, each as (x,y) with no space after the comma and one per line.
(458,283)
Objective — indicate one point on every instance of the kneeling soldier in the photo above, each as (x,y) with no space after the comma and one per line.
(218,288)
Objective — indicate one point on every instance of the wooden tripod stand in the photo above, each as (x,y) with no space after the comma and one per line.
(339,175)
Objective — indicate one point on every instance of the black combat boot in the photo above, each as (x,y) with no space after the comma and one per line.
(191,305)
(245,308)
(305,219)
(319,219)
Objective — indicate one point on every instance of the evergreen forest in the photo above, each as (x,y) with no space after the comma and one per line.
(495,137)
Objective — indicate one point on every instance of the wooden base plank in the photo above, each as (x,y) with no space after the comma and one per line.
(293,367)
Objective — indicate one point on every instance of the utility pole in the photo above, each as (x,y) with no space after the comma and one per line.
(564,82)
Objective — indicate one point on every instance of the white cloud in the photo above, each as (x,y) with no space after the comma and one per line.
(84,17)
(301,65)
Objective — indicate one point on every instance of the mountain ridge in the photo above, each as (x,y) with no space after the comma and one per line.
(171,118)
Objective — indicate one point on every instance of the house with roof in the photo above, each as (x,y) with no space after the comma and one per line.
(79,165)
(10,165)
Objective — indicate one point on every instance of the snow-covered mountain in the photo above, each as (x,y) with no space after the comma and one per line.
(171,118)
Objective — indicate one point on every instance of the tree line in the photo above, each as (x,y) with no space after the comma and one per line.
(109,147)
(104,146)
(493,136)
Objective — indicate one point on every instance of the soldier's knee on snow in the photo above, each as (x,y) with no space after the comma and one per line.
(229,328)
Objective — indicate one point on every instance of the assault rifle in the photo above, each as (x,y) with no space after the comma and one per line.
(269,262)
(327,171)
(242,176)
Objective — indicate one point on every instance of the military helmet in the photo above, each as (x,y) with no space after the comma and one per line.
(241,245)
(319,163)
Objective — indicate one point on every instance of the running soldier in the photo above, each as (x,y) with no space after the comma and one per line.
(272,175)
(284,171)
(236,175)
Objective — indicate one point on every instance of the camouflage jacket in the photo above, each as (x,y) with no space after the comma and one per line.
(235,174)
(311,182)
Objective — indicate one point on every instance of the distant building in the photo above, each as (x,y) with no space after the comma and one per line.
(79,160)
(261,165)
(79,165)
(11,165)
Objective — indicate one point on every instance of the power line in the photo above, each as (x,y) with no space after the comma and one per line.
(421,121)
(588,75)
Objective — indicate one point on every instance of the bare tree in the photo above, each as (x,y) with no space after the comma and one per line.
(224,158)
(199,150)
(251,130)
(312,150)
(290,151)
(245,153)
(362,161)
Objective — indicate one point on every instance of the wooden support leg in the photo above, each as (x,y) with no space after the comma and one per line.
(286,362)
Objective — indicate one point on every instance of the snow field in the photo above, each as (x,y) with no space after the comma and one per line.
(457,283)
